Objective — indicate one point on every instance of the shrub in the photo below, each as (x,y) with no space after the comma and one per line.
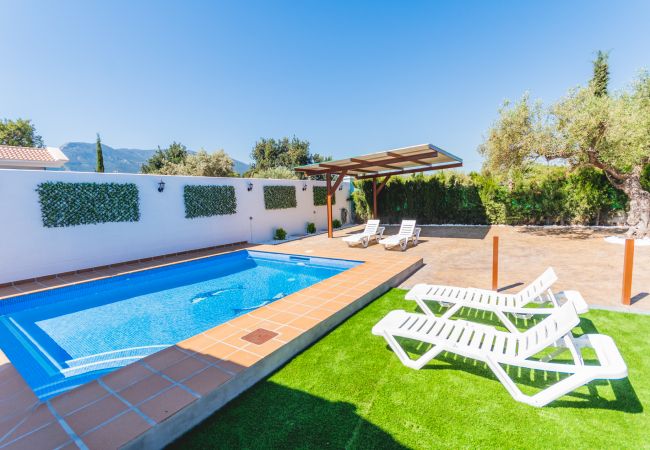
(206,201)
(70,204)
(311,227)
(320,196)
(280,234)
(542,195)
(336,223)
(280,197)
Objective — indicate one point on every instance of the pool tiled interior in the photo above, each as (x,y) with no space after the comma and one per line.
(152,401)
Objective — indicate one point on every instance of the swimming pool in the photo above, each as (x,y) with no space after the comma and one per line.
(61,338)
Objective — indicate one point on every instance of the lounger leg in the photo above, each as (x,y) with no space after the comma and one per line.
(404,357)
(544,397)
(506,322)
(451,311)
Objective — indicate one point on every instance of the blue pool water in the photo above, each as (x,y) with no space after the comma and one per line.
(64,337)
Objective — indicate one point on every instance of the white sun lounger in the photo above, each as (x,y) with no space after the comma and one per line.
(408,232)
(497,348)
(538,292)
(372,231)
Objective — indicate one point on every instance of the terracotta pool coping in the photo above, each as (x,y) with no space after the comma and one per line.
(151,402)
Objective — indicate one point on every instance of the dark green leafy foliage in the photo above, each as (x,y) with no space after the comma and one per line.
(280,197)
(280,234)
(320,196)
(336,223)
(70,204)
(206,201)
(19,132)
(311,227)
(544,195)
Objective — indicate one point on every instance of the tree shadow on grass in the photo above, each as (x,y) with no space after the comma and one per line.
(270,415)
(532,381)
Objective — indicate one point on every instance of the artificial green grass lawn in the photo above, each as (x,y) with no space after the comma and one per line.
(350,391)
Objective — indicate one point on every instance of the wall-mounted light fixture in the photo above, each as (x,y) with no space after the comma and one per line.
(304,186)
(161,186)
(250,186)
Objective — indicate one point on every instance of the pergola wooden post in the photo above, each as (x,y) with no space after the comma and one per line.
(331,190)
(401,161)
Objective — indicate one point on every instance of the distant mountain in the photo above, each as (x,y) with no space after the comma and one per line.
(125,160)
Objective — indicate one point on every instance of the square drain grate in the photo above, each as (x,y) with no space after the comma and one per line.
(259,336)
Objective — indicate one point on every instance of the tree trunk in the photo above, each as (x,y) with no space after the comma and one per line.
(638,218)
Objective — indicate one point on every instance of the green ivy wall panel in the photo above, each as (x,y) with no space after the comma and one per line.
(280,197)
(70,204)
(207,201)
(320,196)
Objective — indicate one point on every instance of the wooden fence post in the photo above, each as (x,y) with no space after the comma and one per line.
(495,263)
(628,265)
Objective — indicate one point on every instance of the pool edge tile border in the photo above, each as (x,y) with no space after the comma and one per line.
(187,418)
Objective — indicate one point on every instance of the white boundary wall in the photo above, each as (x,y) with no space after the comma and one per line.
(28,249)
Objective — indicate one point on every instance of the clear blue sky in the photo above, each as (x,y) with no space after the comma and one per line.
(350,77)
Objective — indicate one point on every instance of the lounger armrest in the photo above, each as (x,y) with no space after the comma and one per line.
(417,233)
(380,232)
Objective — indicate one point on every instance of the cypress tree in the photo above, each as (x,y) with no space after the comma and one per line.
(600,80)
(100,155)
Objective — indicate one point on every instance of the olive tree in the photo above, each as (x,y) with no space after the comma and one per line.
(585,128)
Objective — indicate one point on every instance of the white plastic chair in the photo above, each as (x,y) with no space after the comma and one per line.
(408,232)
(497,348)
(537,292)
(371,232)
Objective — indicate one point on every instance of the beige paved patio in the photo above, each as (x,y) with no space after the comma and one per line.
(463,256)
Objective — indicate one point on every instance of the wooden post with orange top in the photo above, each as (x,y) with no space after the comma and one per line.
(628,265)
(495,263)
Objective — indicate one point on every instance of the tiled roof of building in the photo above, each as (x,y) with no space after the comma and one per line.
(31,157)
(24,153)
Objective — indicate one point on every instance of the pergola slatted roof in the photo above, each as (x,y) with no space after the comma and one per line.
(417,158)
(400,161)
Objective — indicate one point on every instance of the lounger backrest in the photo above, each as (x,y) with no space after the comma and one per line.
(407,228)
(549,330)
(371,227)
(539,286)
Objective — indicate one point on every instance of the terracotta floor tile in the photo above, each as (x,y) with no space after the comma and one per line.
(78,397)
(196,343)
(266,348)
(8,291)
(31,286)
(207,380)
(37,418)
(320,313)
(304,323)
(116,433)
(165,358)
(216,352)
(222,331)
(95,414)
(166,404)
(50,436)
(263,313)
(184,368)
(236,339)
(243,358)
(144,389)
(287,333)
(245,322)
(126,376)
(285,317)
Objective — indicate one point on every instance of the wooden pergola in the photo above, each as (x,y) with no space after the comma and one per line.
(380,167)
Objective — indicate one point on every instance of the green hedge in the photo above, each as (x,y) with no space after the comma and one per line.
(70,204)
(320,196)
(544,195)
(280,197)
(206,201)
